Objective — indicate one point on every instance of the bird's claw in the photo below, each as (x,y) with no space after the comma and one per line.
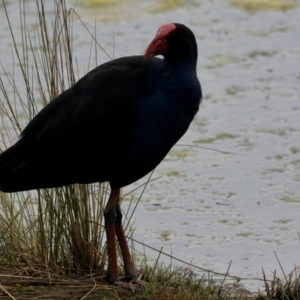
(135,284)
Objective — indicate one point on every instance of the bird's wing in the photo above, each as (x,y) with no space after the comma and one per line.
(99,103)
(100,106)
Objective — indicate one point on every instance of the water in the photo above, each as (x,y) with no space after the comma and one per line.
(207,207)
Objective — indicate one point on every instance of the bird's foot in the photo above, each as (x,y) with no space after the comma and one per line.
(128,278)
(128,282)
(140,282)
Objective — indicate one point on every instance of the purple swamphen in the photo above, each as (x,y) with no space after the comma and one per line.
(116,124)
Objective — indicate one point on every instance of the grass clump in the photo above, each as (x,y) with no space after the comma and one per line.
(57,229)
(279,289)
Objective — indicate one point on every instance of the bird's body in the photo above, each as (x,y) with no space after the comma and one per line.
(116,124)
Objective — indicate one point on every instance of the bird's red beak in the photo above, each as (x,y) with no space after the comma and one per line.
(159,44)
(156,47)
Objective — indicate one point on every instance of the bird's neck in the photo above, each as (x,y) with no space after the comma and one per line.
(180,65)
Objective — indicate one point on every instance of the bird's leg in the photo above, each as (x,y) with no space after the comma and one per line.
(113,227)
(130,271)
(112,275)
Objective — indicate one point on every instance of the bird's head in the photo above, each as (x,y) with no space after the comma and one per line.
(173,41)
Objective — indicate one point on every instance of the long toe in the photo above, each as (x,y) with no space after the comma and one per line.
(129,276)
(134,286)
(110,279)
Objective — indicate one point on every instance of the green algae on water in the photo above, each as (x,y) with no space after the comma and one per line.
(165,5)
(257,5)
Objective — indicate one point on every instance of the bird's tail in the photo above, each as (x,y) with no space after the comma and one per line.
(14,174)
(21,170)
